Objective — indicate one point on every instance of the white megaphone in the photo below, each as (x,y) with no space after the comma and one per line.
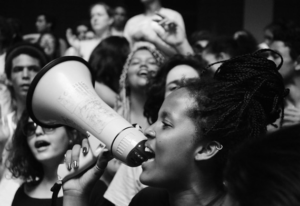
(62,93)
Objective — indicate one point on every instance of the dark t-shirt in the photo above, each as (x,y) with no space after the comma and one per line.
(96,198)
(150,196)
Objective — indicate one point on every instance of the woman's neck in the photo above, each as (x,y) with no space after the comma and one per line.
(201,191)
(152,7)
(103,33)
(43,189)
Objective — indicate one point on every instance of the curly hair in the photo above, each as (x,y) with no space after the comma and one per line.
(157,86)
(122,105)
(21,161)
(246,94)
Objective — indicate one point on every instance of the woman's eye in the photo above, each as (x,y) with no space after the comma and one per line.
(134,63)
(153,62)
(165,125)
(172,87)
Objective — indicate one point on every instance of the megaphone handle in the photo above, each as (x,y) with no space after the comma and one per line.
(85,162)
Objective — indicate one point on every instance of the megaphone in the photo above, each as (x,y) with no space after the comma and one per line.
(62,93)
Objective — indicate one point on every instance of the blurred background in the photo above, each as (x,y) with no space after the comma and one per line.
(218,16)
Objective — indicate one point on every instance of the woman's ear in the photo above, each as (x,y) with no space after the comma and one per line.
(207,152)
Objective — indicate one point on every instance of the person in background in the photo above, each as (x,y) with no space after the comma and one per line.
(107,61)
(81,29)
(225,47)
(142,65)
(49,42)
(101,19)
(199,40)
(287,43)
(45,23)
(120,19)
(22,63)
(172,74)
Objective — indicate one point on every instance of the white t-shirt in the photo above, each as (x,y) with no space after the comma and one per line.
(124,186)
(2,63)
(132,23)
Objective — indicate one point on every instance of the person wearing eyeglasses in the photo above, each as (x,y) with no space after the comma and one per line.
(35,155)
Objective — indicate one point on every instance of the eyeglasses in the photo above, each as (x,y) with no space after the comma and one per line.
(30,128)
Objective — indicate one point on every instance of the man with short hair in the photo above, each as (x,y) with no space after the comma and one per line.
(287,43)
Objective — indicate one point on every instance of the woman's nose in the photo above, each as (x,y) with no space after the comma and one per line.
(150,133)
(39,131)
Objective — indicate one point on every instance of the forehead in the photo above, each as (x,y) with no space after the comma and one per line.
(181,71)
(178,103)
(142,53)
(48,36)
(98,8)
(120,10)
(24,60)
(82,28)
(41,17)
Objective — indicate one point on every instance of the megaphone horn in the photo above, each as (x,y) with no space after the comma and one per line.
(62,93)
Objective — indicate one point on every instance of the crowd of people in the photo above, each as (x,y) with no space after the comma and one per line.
(221,113)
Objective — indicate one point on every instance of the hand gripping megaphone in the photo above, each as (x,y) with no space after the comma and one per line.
(62,93)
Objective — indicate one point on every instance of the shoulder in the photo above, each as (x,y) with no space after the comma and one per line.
(135,19)
(151,196)
(170,13)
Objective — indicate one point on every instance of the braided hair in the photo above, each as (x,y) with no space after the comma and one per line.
(246,94)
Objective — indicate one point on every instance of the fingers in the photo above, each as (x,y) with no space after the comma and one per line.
(75,156)
(85,146)
(68,159)
(72,157)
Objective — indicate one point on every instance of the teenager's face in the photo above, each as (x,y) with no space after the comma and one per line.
(24,69)
(178,73)
(120,16)
(47,145)
(41,24)
(288,67)
(172,141)
(142,66)
(100,20)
